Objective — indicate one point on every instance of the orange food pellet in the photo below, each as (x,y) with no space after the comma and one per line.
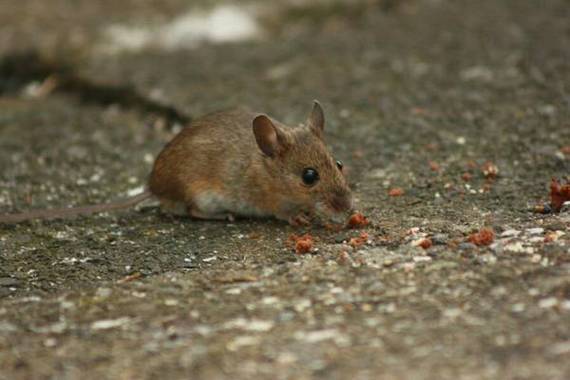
(559,193)
(396,192)
(485,236)
(550,237)
(357,220)
(426,243)
(490,170)
(358,241)
(302,244)
(434,166)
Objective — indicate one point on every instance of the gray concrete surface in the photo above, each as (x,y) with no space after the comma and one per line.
(140,295)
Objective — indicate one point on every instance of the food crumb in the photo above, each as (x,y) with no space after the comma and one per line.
(396,192)
(434,166)
(559,193)
(466,176)
(552,236)
(303,244)
(485,236)
(358,241)
(357,220)
(543,208)
(490,170)
(425,243)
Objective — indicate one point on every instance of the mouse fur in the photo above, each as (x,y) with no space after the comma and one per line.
(241,163)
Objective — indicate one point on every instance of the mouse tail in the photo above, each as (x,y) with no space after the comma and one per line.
(72,212)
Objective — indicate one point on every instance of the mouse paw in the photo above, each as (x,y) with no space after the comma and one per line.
(301,219)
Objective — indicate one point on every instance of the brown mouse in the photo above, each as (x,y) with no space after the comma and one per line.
(238,163)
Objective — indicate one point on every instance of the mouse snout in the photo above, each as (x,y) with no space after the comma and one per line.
(341,201)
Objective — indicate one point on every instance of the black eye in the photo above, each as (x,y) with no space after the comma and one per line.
(339,165)
(310,176)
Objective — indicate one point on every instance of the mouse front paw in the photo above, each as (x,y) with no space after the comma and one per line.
(301,219)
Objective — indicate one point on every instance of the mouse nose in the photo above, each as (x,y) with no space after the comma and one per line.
(341,201)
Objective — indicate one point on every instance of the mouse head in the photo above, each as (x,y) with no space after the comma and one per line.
(304,169)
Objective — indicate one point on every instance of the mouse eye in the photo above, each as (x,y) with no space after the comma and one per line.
(310,176)
(339,165)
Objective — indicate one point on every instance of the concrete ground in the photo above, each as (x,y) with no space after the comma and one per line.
(427,96)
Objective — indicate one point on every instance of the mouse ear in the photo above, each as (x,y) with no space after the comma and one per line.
(269,138)
(316,121)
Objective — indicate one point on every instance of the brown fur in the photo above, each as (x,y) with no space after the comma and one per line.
(219,154)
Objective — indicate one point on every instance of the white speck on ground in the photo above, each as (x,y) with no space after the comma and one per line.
(249,325)
(302,305)
(548,302)
(135,191)
(510,233)
(105,324)
(242,341)
(321,335)
(477,73)
(518,247)
(535,231)
(560,348)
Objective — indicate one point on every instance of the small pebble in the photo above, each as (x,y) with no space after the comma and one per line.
(518,308)
(341,238)
(547,303)
(510,233)
(105,324)
(535,231)
(518,247)
(467,246)
(440,239)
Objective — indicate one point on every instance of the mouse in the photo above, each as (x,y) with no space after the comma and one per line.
(238,163)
